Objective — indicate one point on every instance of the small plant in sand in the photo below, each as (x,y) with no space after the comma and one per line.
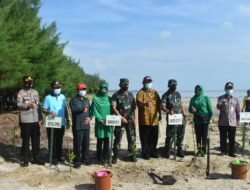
(200,151)
(71,156)
(133,152)
(15,135)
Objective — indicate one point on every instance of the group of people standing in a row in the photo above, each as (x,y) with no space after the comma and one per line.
(124,104)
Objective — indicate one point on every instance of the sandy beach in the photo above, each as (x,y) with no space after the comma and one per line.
(189,172)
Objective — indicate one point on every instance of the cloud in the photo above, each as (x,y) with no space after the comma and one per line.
(244,9)
(165,34)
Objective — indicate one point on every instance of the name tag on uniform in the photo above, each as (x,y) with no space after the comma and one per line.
(53,122)
(244,117)
(175,119)
(113,120)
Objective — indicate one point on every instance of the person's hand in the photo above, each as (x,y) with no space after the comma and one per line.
(53,114)
(171,112)
(33,106)
(160,118)
(124,120)
(193,109)
(85,109)
(103,122)
(87,120)
(68,124)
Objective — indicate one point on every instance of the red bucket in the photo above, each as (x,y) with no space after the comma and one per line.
(102,180)
(239,170)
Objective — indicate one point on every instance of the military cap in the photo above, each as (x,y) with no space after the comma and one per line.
(124,80)
(172,82)
(55,84)
(27,78)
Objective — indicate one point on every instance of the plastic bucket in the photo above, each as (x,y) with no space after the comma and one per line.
(240,169)
(102,180)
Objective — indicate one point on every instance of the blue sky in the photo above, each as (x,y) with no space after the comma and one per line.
(194,41)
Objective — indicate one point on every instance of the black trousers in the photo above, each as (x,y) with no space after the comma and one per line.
(30,131)
(57,142)
(227,132)
(102,147)
(201,131)
(149,139)
(81,144)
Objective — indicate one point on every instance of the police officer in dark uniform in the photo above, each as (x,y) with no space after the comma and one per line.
(171,104)
(27,102)
(124,104)
(81,118)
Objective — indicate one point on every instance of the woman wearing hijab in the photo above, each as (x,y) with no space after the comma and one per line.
(101,107)
(200,106)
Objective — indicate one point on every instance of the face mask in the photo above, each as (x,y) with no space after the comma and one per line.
(82,93)
(148,85)
(57,91)
(124,88)
(172,88)
(229,92)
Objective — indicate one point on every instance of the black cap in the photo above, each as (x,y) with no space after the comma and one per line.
(124,80)
(147,79)
(172,82)
(55,84)
(229,85)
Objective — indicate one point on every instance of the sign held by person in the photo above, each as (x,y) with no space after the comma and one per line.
(113,120)
(175,119)
(53,122)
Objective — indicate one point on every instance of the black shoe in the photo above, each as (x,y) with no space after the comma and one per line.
(114,160)
(146,157)
(87,162)
(167,154)
(77,165)
(232,155)
(54,162)
(61,160)
(154,155)
(38,162)
(180,153)
(24,164)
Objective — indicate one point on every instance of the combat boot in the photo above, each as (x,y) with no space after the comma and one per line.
(180,153)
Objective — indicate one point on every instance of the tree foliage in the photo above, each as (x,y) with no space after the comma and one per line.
(27,48)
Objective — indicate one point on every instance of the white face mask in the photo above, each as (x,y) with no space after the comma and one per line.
(82,93)
(57,91)
(148,85)
(230,92)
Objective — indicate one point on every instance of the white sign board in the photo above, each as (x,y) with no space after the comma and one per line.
(53,122)
(175,119)
(113,120)
(244,117)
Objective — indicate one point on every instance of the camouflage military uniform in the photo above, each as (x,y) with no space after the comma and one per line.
(172,101)
(125,104)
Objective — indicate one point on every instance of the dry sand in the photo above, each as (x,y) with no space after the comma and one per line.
(188,172)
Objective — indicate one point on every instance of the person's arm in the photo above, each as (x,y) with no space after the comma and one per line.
(75,107)
(209,108)
(21,103)
(183,111)
(244,104)
(139,100)
(46,107)
(237,110)
(158,104)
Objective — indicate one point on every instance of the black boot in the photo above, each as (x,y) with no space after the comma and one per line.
(24,164)
(37,161)
(180,153)
(167,153)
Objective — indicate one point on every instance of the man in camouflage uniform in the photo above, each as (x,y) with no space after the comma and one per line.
(123,104)
(171,104)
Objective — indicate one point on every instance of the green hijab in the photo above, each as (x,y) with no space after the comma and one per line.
(101,103)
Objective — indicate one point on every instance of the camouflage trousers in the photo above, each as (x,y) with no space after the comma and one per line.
(131,138)
(180,132)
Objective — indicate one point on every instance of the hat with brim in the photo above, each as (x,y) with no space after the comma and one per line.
(147,79)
